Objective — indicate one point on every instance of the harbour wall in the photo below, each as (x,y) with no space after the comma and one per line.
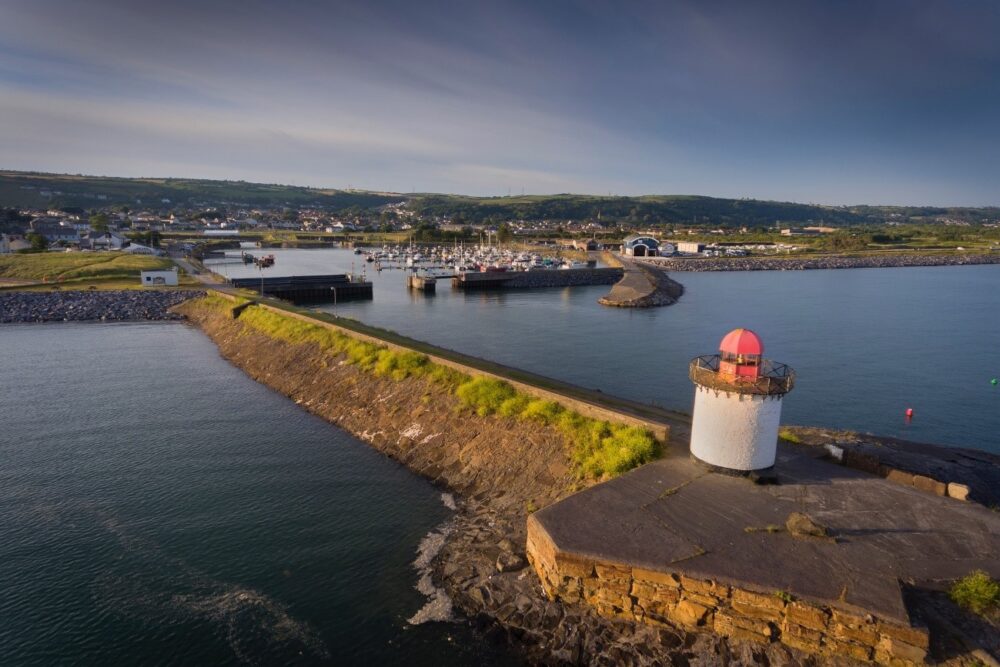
(880,261)
(659,429)
(641,287)
(617,590)
(412,420)
(501,468)
(504,469)
(538,279)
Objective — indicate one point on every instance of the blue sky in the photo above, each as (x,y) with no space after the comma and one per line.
(840,102)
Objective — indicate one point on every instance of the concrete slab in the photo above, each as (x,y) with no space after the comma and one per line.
(674,516)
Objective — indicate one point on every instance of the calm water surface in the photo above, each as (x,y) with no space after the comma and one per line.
(157,506)
(866,343)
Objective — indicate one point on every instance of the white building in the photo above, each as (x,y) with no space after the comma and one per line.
(156,278)
(690,247)
(107,241)
(737,405)
(139,249)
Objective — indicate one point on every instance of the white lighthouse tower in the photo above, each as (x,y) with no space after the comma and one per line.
(737,405)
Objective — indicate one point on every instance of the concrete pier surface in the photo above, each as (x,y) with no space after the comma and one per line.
(642,287)
(672,542)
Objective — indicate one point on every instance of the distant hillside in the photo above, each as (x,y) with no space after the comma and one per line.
(26,189)
(684,210)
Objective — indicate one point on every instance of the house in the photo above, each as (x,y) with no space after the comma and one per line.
(151,278)
(139,249)
(589,245)
(107,241)
(54,232)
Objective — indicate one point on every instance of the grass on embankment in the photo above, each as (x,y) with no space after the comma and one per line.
(598,447)
(76,266)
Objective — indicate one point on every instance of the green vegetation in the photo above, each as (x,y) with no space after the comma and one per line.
(789,436)
(38,242)
(25,189)
(784,596)
(977,592)
(682,210)
(204,197)
(68,266)
(99,222)
(598,447)
(769,528)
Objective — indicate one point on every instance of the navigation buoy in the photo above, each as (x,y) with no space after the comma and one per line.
(909,412)
(993,382)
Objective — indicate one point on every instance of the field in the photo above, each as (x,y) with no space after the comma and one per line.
(61,267)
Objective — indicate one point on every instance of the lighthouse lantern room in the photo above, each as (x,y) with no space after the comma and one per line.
(737,405)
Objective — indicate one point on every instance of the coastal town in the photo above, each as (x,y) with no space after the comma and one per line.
(632,334)
(660,590)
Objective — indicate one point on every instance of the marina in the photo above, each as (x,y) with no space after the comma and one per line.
(460,259)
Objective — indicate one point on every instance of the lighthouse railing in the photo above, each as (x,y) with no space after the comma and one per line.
(774,378)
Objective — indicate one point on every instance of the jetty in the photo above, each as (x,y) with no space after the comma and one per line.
(536,279)
(426,284)
(335,288)
(820,559)
(641,287)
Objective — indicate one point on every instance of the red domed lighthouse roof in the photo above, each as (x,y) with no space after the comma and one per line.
(741,341)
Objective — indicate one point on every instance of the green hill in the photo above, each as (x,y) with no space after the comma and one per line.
(27,189)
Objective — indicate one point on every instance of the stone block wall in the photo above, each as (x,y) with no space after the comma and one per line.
(564,278)
(657,597)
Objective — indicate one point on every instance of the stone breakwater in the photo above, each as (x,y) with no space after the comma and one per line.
(500,470)
(805,263)
(642,287)
(78,306)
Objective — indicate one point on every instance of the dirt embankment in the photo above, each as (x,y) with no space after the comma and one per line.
(501,469)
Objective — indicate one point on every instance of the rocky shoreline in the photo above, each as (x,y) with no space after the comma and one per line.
(85,305)
(807,263)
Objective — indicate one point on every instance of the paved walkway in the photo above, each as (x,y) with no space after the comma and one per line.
(673,516)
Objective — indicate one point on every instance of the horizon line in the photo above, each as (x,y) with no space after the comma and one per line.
(507,196)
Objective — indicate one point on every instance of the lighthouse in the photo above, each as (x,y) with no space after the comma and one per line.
(737,405)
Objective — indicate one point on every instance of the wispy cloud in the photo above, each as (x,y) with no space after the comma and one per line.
(840,102)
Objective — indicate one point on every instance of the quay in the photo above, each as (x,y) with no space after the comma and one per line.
(536,279)
(309,289)
(673,543)
(425,284)
(642,286)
